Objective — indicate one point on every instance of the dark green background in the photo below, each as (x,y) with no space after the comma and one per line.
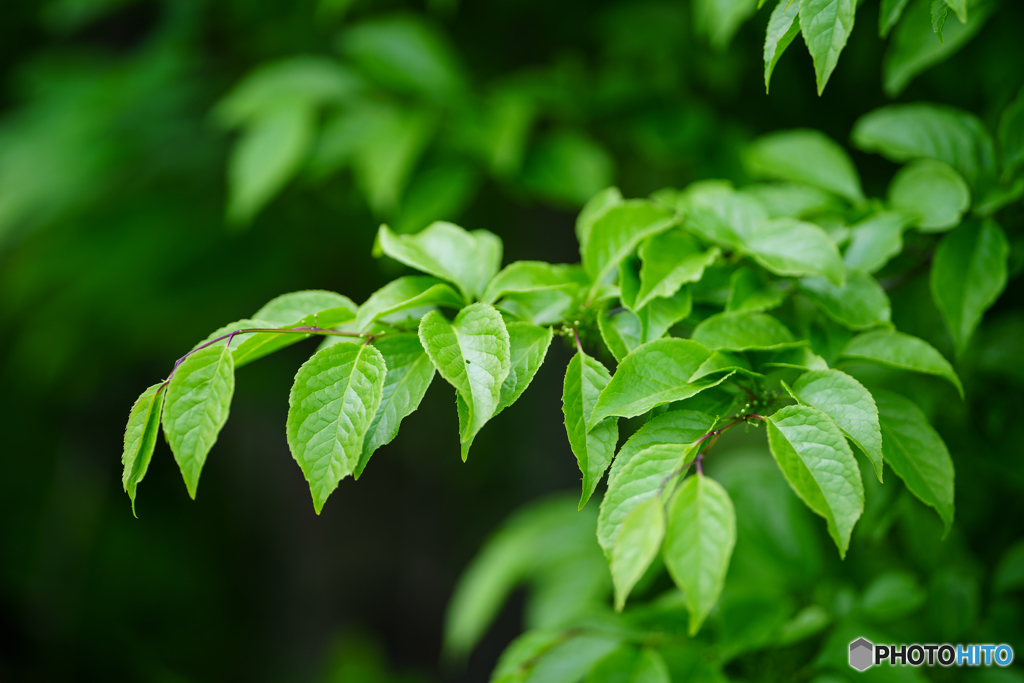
(125,261)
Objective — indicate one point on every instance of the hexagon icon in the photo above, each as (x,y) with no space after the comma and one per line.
(861,654)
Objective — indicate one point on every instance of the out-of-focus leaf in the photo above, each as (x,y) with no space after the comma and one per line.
(405,53)
(805,156)
(931,191)
(892,595)
(719,20)
(916,453)
(875,240)
(636,545)
(914,49)
(568,167)
(889,15)
(902,351)
(904,132)
(968,275)
(859,304)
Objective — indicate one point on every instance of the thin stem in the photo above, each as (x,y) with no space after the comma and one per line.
(305,329)
(713,435)
(576,335)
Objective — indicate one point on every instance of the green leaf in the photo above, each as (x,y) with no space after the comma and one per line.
(268,154)
(875,240)
(654,374)
(859,304)
(931,191)
(332,404)
(783,27)
(904,132)
(528,346)
(1011,137)
(645,462)
(742,331)
(916,453)
(618,232)
(196,408)
(890,13)
(968,275)
(636,545)
(662,313)
(571,660)
(670,260)
(898,350)
(405,53)
(913,48)
(725,361)
(466,259)
(893,595)
(800,358)
(960,8)
(1009,573)
(409,373)
(748,293)
(595,207)
(699,540)
(787,246)
(650,667)
(817,462)
(792,199)
(585,379)
(289,308)
(567,167)
(140,437)
(826,24)
(849,405)
(403,294)
(939,10)
(473,355)
(719,214)
(531,276)
(805,156)
(543,306)
(720,19)
(622,331)
(307,80)
(515,662)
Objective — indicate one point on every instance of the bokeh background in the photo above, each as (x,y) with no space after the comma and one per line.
(135,219)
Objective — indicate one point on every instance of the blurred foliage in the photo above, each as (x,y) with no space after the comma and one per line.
(137,139)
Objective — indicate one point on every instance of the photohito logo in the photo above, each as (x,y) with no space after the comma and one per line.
(864,654)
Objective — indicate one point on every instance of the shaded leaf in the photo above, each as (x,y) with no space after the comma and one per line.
(916,453)
(621,330)
(898,350)
(409,373)
(636,545)
(875,240)
(931,191)
(968,275)
(859,304)
(593,446)
(618,232)
(889,15)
